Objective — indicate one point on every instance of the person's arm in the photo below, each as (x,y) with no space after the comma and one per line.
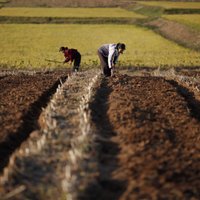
(111,56)
(67,59)
(68,56)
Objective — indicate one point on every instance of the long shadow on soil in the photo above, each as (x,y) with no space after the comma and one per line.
(30,123)
(193,104)
(105,187)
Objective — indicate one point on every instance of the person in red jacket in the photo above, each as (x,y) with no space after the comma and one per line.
(71,55)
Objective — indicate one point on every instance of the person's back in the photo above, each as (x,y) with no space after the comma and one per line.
(104,49)
(108,55)
(71,55)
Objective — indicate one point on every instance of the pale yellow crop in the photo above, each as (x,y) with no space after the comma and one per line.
(29,45)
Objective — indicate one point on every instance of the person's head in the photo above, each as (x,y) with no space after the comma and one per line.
(121,47)
(63,49)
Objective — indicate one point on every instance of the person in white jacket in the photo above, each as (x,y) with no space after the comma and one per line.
(108,55)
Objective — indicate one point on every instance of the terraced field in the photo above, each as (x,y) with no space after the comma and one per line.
(68,12)
(192,21)
(168,4)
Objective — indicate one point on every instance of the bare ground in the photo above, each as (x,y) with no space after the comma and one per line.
(149,140)
(22,97)
(147,137)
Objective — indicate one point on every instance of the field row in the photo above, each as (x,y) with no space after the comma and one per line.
(68,12)
(99,3)
(98,15)
(144,47)
(192,21)
(98,134)
(171,4)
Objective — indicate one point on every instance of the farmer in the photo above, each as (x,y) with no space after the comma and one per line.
(108,55)
(71,55)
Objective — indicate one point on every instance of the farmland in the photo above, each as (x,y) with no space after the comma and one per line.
(61,3)
(138,53)
(68,12)
(168,4)
(192,21)
(177,21)
(64,135)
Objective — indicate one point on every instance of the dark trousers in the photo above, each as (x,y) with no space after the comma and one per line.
(77,62)
(104,64)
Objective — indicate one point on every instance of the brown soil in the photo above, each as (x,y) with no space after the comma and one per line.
(189,73)
(61,3)
(149,140)
(22,97)
(177,32)
(148,133)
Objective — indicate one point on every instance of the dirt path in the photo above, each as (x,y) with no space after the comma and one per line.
(149,140)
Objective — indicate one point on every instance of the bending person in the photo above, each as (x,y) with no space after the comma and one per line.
(108,55)
(71,55)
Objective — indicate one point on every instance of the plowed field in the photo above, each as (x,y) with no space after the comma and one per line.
(22,97)
(149,140)
(146,136)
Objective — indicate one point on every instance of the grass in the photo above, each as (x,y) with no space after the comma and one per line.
(68,15)
(192,21)
(157,8)
(27,46)
(169,5)
(151,11)
(68,12)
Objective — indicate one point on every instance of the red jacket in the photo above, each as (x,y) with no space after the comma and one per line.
(71,54)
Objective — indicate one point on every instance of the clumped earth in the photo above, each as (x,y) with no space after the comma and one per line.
(150,140)
(22,97)
(147,133)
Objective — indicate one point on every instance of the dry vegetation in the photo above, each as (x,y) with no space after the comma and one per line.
(177,32)
(61,3)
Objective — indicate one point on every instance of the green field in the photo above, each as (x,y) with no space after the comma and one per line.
(69,12)
(27,46)
(168,5)
(192,20)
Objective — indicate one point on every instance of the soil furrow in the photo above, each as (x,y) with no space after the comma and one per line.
(22,99)
(138,139)
(154,132)
(192,103)
(105,187)
(51,163)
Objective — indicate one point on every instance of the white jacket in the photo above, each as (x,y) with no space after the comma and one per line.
(110,51)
